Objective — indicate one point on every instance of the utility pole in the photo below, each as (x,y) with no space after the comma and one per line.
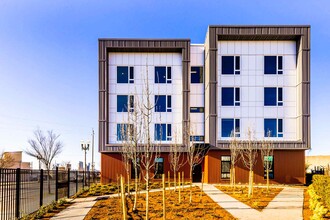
(93,166)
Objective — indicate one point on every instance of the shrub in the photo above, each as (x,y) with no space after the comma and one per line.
(319,192)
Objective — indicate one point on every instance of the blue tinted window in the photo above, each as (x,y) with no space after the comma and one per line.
(227,64)
(196,74)
(227,96)
(122,74)
(122,132)
(237,126)
(197,138)
(196,109)
(280,125)
(160,74)
(122,101)
(270,96)
(169,132)
(160,132)
(160,103)
(270,65)
(270,127)
(227,126)
(280,62)
(169,74)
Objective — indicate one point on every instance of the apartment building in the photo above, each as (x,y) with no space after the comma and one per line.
(242,77)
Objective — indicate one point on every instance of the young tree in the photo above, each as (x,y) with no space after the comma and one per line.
(267,156)
(45,148)
(6,160)
(249,155)
(234,147)
(176,156)
(195,153)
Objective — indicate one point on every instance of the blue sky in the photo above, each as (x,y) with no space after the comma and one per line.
(49,64)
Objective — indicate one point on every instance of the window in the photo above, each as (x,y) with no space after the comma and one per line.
(273,64)
(159,167)
(230,64)
(273,96)
(230,96)
(124,101)
(163,74)
(229,125)
(225,167)
(197,138)
(163,103)
(196,109)
(125,74)
(196,74)
(122,131)
(273,127)
(269,163)
(163,132)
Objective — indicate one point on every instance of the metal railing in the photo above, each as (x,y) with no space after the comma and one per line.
(24,191)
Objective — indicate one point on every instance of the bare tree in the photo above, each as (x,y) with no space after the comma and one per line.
(234,147)
(45,148)
(249,155)
(6,160)
(267,156)
(149,148)
(125,133)
(195,153)
(176,156)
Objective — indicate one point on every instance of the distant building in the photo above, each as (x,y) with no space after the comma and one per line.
(18,163)
(80,166)
(317,163)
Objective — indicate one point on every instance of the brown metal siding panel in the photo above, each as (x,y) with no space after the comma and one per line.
(111,167)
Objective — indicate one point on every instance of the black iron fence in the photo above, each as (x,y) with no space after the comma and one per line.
(24,191)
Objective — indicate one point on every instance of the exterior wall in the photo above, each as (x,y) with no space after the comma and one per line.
(144,70)
(289,167)
(197,91)
(252,82)
(112,166)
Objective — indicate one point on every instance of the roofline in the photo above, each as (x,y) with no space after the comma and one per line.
(260,26)
(146,39)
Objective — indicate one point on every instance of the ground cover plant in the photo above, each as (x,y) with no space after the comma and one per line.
(258,200)
(202,207)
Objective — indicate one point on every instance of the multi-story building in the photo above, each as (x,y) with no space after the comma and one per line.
(242,77)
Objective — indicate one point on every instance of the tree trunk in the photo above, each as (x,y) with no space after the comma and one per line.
(234,177)
(136,188)
(147,195)
(179,188)
(250,184)
(169,180)
(128,185)
(164,206)
(122,187)
(190,196)
(174,181)
(267,173)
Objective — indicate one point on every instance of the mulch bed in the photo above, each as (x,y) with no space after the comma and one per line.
(260,198)
(202,207)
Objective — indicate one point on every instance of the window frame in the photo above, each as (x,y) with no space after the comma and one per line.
(197,109)
(129,78)
(158,175)
(236,127)
(124,126)
(167,75)
(167,132)
(129,103)
(225,159)
(277,92)
(278,64)
(168,103)
(278,127)
(236,65)
(235,94)
(201,74)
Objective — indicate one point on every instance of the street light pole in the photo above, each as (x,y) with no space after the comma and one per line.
(93,166)
(85,147)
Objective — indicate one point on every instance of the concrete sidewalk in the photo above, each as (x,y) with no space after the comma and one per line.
(287,204)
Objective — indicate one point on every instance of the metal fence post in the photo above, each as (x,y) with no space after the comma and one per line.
(89,178)
(18,181)
(41,179)
(56,184)
(76,181)
(68,182)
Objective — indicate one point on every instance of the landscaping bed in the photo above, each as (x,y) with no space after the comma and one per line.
(202,207)
(260,198)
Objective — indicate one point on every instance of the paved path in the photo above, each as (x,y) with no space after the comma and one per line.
(287,204)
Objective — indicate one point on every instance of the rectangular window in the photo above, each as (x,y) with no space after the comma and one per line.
(196,109)
(197,138)
(269,163)
(163,103)
(273,64)
(125,74)
(124,131)
(229,127)
(196,74)
(163,74)
(273,96)
(230,64)
(159,167)
(163,132)
(273,127)
(225,167)
(124,101)
(230,96)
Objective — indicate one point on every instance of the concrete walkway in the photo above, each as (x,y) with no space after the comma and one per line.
(287,204)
